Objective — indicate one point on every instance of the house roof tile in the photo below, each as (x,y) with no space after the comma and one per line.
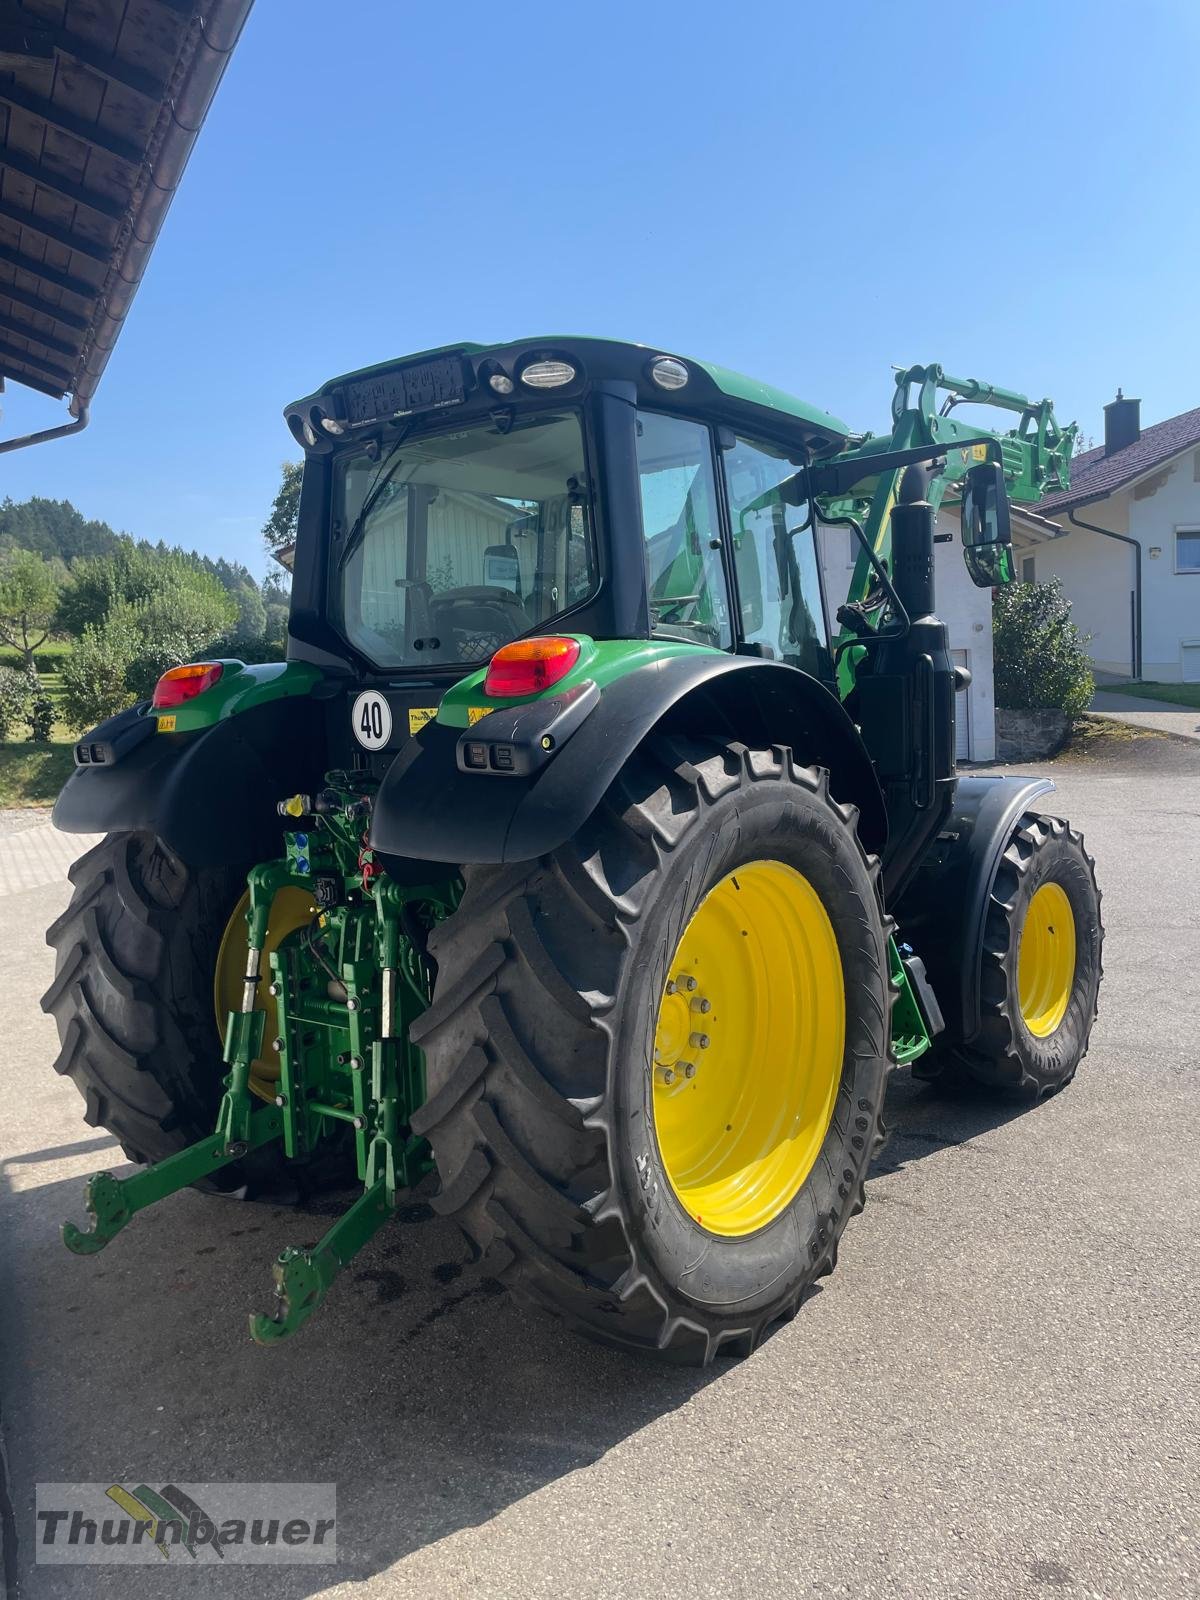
(1094,475)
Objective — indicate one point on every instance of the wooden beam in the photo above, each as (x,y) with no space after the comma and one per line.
(11,325)
(48,369)
(86,132)
(107,205)
(109,66)
(51,230)
(22,297)
(54,390)
(39,269)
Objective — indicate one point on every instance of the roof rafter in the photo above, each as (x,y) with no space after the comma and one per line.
(80,128)
(44,308)
(51,275)
(52,231)
(49,341)
(58,183)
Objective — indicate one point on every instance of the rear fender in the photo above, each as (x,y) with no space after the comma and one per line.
(428,809)
(943,911)
(211,794)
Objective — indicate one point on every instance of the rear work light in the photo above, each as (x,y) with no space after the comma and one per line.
(185,683)
(527,666)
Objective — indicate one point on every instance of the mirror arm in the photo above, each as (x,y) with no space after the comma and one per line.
(839,475)
(880,571)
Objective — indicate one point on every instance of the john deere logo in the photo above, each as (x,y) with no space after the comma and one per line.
(85,1524)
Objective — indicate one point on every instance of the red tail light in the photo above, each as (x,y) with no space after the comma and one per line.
(185,683)
(527,666)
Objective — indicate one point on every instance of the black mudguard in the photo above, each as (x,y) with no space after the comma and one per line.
(942,911)
(428,809)
(210,795)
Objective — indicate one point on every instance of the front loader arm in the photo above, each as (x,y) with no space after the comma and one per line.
(1035,455)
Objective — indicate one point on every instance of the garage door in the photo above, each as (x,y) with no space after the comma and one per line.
(1191,663)
(962,712)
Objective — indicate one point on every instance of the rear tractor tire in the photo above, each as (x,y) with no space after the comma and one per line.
(1040,968)
(656,1057)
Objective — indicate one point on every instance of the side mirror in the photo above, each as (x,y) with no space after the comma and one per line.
(986,526)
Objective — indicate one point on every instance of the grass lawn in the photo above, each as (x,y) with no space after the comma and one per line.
(1180,694)
(32,774)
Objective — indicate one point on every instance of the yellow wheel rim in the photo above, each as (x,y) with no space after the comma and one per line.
(292,909)
(748,1048)
(1046,960)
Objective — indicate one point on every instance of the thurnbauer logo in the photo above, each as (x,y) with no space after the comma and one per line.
(174,1523)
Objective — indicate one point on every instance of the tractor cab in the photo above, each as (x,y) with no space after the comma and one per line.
(465,499)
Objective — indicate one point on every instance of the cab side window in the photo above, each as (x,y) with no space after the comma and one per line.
(776,558)
(689,597)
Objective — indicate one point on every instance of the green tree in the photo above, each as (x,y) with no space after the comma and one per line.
(276,605)
(280,527)
(119,660)
(95,674)
(1041,657)
(29,591)
(128,572)
(14,699)
(179,624)
(52,528)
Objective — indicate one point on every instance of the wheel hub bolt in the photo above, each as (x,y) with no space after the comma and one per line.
(699,1041)
(664,1075)
(689,1068)
(688,983)
(703,1006)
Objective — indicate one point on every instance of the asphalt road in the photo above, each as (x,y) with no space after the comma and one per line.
(995,1395)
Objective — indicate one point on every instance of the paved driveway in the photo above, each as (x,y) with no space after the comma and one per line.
(995,1395)
(1155,715)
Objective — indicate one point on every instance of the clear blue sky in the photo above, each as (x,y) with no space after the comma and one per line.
(808,194)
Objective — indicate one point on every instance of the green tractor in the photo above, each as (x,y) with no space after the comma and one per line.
(575,866)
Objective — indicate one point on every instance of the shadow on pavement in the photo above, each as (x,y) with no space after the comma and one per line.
(421,1389)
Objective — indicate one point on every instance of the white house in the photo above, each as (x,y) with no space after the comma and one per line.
(1135,587)
(967,612)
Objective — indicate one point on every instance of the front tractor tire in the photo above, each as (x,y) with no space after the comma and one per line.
(132,995)
(1040,968)
(656,1057)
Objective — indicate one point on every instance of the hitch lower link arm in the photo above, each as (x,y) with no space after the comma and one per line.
(112,1202)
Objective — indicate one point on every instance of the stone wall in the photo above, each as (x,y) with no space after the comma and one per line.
(1030,735)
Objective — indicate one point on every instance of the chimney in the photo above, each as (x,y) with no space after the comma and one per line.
(1122,423)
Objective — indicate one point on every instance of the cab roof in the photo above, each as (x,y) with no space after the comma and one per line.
(609,358)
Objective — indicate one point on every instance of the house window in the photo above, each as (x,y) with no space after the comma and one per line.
(1028,572)
(1187,549)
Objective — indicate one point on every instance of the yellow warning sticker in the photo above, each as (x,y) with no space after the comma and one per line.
(418,716)
(166,724)
(474,713)
(979,452)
